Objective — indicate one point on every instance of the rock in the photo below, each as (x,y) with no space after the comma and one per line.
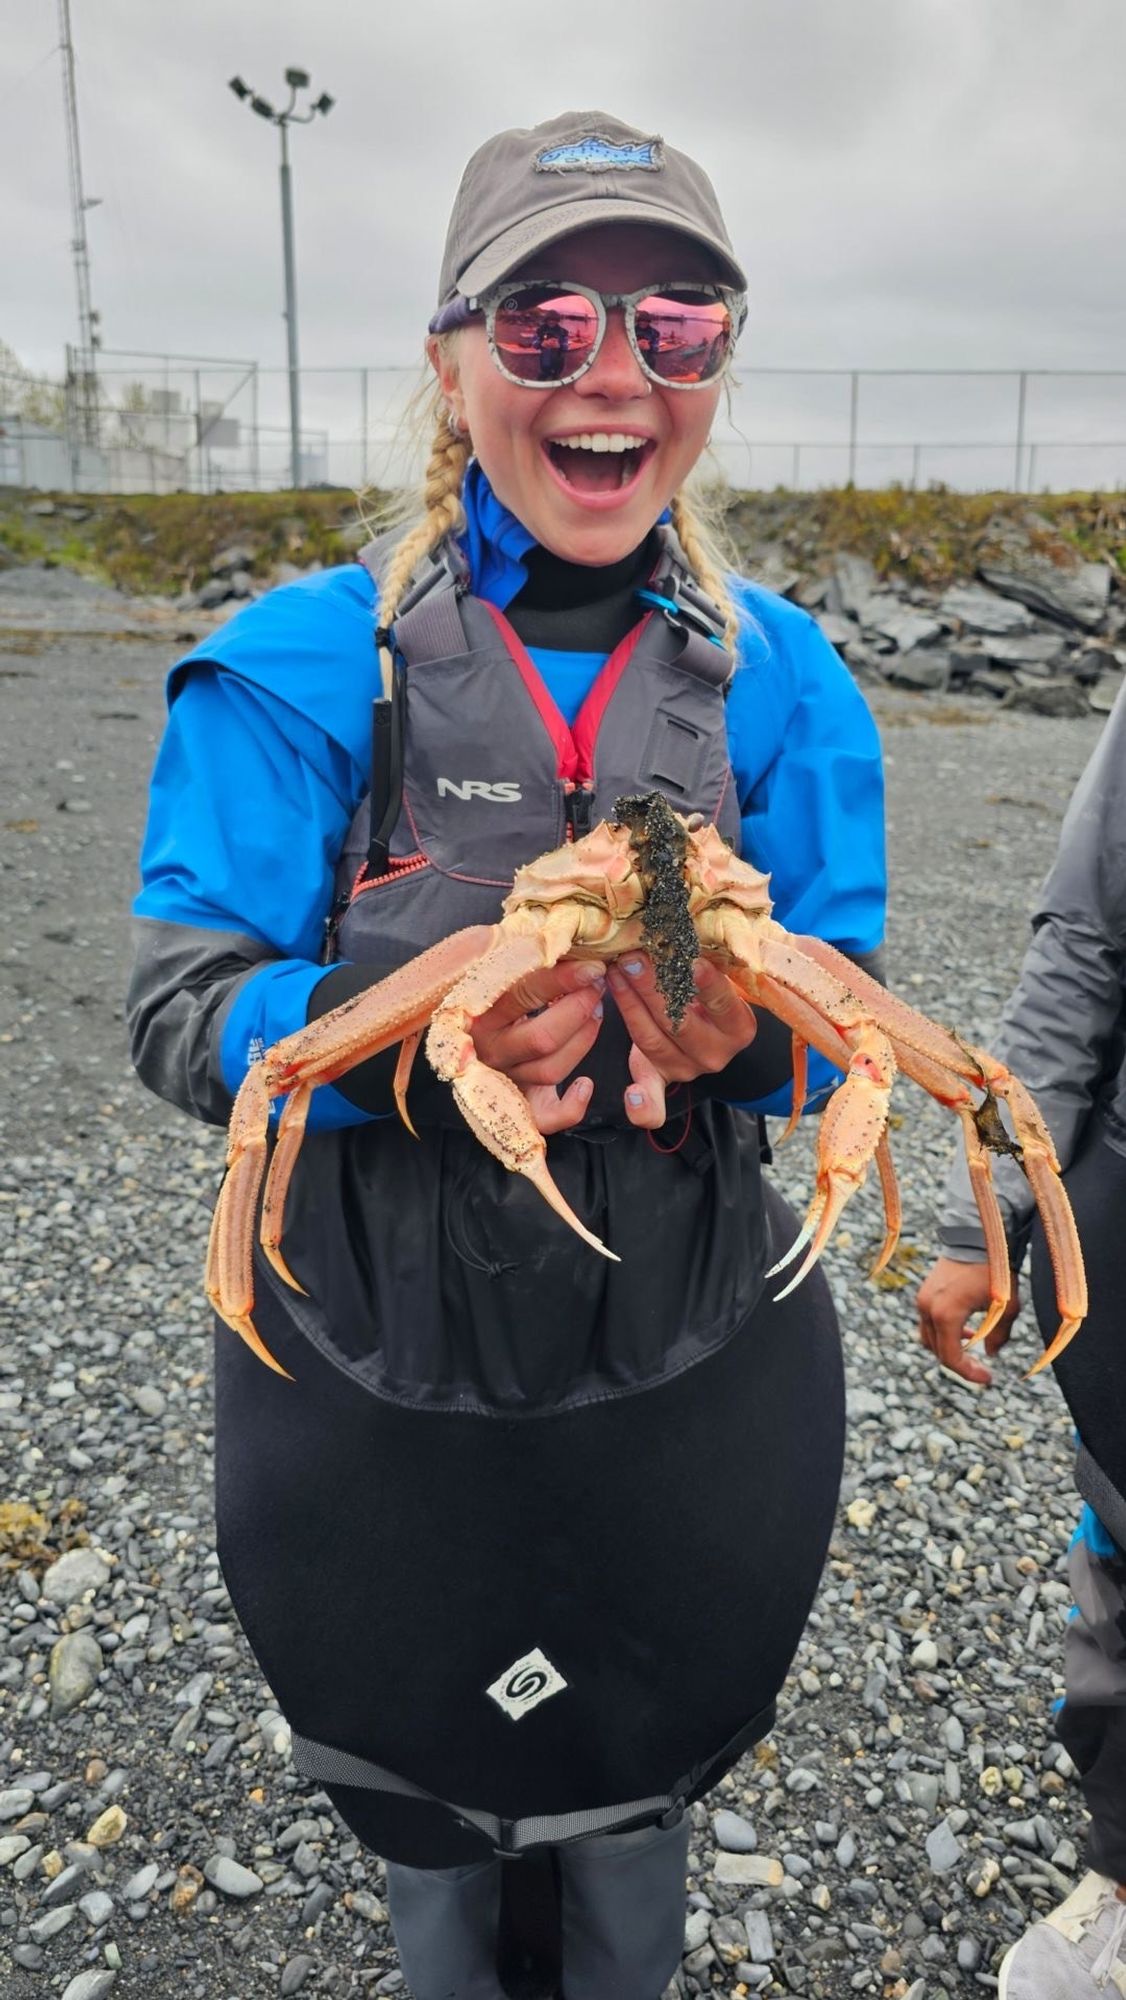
(231,1878)
(49,1926)
(923,1788)
(760,1937)
(905,627)
(149,1400)
(1105,693)
(944,1850)
(214,592)
(855,579)
(75,1663)
(96,1907)
(90,1986)
(138,1885)
(296,1973)
(1056,697)
(108,1827)
(984,1872)
(69,1579)
(735,1834)
(1076,591)
(1026,649)
(758,1871)
(919,669)
(228,561)
(696,1927)
(15,1802)
(984,610)
(838,631)
(728,1940)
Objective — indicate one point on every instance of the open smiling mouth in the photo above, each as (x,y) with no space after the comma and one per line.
(599,461)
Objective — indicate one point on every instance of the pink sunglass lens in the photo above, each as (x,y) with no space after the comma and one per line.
(685,339)
(544,336)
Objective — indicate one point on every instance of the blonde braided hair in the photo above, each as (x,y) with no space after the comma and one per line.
(443,515)
(698,541)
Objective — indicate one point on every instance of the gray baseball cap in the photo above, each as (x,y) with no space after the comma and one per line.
(526,188)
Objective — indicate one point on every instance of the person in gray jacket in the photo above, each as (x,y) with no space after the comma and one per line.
(1064,1031)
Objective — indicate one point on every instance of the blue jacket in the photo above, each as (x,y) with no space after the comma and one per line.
(267,755)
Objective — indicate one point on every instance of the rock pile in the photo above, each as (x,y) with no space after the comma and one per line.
(1033,631)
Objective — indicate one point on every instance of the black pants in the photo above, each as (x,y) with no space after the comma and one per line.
(1092,1374)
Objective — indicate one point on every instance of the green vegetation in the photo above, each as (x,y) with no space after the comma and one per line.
(163,544)
(932,537)
(166,544)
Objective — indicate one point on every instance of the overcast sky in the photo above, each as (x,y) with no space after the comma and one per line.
(911,182)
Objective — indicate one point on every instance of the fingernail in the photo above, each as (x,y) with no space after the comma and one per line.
(591,972)
(635,1097)
(617,983)
(633,966)
(596,1013)
(582,1086)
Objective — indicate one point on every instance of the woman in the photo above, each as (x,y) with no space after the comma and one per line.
(1065,1030)
(551,1626)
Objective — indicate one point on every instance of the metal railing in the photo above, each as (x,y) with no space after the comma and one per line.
(203,424)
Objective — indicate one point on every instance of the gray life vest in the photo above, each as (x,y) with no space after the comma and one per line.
(484,772)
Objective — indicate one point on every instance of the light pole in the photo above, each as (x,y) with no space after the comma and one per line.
(297,79)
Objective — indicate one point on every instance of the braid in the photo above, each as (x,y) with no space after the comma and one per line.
(705,561)
(445,471)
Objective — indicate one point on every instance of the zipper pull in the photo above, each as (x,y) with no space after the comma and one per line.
(580,811)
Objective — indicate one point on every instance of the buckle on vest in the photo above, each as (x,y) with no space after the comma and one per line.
(674,1815)
(682,616)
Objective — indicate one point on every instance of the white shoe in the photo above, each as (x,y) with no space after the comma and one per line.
(1076,1953)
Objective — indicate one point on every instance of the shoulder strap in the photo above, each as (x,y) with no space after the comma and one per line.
(689,610)
(427,627)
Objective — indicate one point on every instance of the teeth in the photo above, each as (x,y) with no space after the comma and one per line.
(602,441)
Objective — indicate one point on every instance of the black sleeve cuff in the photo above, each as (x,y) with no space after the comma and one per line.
(756,1071)
(369,1085)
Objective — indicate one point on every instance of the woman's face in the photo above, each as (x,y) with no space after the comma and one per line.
(565,497)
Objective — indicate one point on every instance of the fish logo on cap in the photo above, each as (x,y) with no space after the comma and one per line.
(594,155)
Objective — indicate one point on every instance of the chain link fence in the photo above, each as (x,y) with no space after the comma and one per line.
(164,423)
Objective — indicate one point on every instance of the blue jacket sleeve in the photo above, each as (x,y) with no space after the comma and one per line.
(249,805)
(806,756)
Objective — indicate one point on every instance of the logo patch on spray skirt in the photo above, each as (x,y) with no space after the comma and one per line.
(593,155)
(526,1683)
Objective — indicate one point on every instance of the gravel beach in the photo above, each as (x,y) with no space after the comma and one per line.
(912,1812)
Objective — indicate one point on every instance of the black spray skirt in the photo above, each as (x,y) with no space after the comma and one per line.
(660,1548)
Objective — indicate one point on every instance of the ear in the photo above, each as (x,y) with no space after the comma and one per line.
(442,356)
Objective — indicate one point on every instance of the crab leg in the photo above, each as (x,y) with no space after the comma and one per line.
(495,1108)
(821,1010)
(893,1207)
(944,1065)
(369,1022)
(229,1277)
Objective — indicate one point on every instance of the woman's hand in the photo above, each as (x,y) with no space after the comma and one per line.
(716,1028)
(948,1297)
(540,1031)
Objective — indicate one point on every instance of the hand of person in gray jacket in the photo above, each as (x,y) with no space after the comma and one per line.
(948,1298)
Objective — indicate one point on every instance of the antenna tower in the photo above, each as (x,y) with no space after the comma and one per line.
(82,383)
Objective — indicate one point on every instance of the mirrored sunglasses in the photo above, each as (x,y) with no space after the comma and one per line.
(546,333)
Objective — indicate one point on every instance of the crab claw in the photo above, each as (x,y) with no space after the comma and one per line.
(851,1135)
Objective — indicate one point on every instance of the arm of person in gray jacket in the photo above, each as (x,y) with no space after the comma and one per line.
(1061,1021)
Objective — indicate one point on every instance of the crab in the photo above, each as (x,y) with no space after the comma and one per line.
(648,879)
